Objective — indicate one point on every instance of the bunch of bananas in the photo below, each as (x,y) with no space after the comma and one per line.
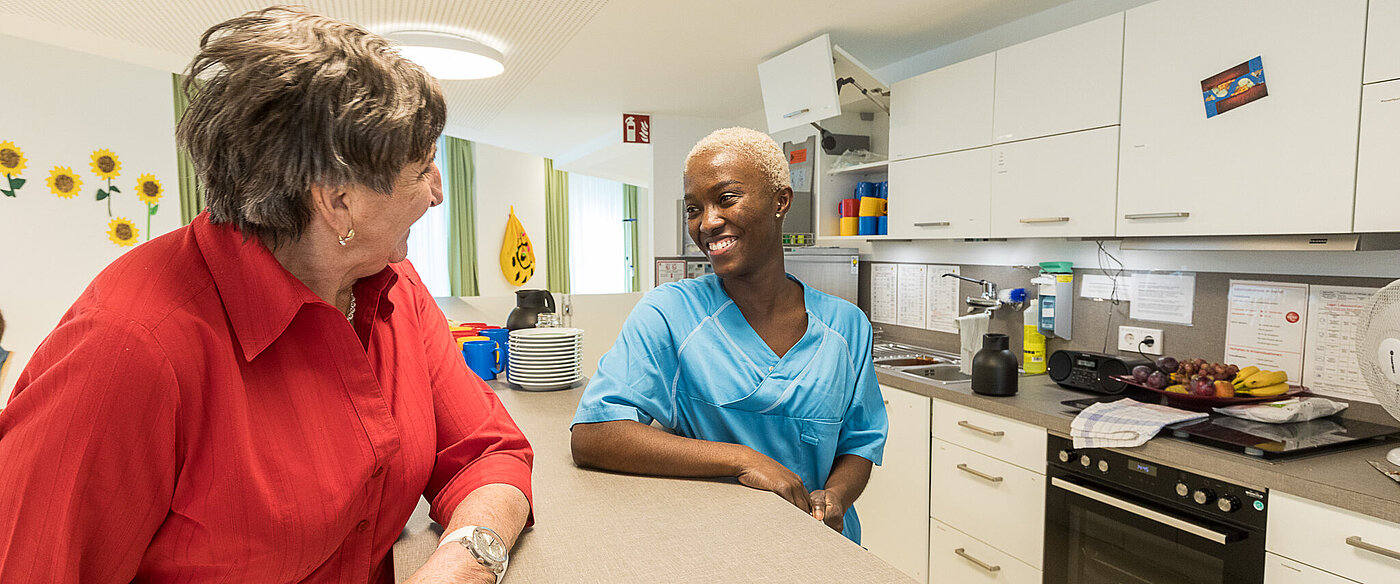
(1258,383)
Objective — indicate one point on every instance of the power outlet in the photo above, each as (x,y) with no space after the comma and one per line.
(1129,337)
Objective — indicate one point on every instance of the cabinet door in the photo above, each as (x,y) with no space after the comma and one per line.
(1062,82)
(894,507)
(957,557)
(1377,174)
(1281,570)
(1283,164)
(1056,186)
(799,86)
(994,501)
(945,195)
(1383,41)
(943,110)
(1343,542)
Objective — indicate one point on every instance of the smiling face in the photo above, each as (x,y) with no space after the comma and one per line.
(382,226)
(732,213)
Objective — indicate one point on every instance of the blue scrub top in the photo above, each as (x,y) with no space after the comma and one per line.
(688,359)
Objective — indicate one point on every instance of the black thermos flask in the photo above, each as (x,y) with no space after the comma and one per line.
(994,367)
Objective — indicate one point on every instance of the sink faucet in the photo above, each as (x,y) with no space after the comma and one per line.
(987,300)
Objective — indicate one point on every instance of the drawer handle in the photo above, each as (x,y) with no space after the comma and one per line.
(1176,215)
(796,113)
(933,224)
(1355,541)
(979,474)
(962,552)
(992,433)
(1045,219)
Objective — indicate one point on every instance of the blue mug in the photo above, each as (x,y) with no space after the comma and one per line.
(882,189)
(483,358)
(502,338)
(865,189)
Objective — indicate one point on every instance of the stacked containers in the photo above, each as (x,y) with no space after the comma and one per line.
(850,216)
(872,208)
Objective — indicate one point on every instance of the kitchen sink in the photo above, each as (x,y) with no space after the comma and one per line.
(895,355)
(910,361)
(949,373)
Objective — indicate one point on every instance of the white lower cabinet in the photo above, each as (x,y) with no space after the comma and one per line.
(956,557)
(894,506)
(1281,570)
(992,500)
(1362,548)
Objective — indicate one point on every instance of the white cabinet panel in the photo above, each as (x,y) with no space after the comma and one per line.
(943,110)
(1283,164)
(1062,82)
(799,86)
(945,195)
(1383,41)
(1377,171)
(957,557)
(1281,570)
(1016,442)
(1056,186)
(894,507)
(994,501)
(1335,540)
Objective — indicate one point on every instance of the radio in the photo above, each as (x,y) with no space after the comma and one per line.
(1091,371)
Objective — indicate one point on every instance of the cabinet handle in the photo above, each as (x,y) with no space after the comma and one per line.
(979,474)
(992,433)
(962,552)
(797,113)
(1355,541)
(1045,219)
(1176,215)
(933,224)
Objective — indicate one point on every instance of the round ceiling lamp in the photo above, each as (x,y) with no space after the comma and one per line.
(448,56)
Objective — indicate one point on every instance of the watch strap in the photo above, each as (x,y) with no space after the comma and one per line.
(463,536)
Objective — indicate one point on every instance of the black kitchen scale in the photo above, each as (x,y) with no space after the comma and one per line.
(1267,441)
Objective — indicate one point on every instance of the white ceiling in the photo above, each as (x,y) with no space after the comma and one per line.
(572,66)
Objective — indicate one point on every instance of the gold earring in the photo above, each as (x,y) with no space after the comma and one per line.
(344,239)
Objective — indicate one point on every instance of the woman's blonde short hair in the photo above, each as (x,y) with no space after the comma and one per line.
(282,99)
(754,146)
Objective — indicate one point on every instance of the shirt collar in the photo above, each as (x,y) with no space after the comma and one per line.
(260,296)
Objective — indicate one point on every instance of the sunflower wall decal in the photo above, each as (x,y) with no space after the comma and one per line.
(64,183)
(122,232)
(149,191)
(12,162)
(106,165)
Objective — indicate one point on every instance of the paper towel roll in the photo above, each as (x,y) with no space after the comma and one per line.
(970,331)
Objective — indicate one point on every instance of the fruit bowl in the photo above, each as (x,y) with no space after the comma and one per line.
(1205,402)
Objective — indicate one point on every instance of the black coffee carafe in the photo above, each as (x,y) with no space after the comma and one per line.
(994,368)
(528,306)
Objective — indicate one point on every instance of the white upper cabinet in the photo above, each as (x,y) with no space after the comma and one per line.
(1383,41)
(1056,186)
(1377,171)
(1062,82)
(943,110)
(941,196)
(1282,164)
(799,86)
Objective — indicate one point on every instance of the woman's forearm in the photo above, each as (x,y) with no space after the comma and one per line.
(849,474)
(633,447)
(501,507)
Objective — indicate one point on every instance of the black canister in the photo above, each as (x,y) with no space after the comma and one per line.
(994,368)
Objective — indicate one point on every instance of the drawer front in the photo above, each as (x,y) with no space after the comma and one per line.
(1281,570)
(996,502)
(1015,442)
(955,556)
(1318,534)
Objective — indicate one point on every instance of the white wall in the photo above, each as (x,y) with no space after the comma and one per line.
(672,137)
(506,178)
(58,107)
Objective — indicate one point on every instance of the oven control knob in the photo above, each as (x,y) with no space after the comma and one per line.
(1103,466)
(1203,496)
(1066,455)
(1182,490)
(1085,461)
(1228,503)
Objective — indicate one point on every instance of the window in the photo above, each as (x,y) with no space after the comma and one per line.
(427,241)
(597,249)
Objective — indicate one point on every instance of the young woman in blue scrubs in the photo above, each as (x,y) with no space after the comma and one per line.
(748,372)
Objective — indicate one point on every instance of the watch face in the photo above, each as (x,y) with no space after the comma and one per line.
(489,545)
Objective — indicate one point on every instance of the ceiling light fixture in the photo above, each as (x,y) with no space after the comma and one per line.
(448,56)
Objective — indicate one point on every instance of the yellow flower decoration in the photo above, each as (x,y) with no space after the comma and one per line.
(148,189)
(11,158)
(122,232)
(63,182)
(105,164)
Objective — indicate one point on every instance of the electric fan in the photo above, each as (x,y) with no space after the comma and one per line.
(1378,351)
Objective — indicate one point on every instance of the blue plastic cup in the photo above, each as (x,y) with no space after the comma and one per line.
(882,227)
(869,225)
(502,338)
(483,358)
(882,189)
(865,189)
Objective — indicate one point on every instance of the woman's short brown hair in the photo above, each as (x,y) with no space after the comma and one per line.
(282,99)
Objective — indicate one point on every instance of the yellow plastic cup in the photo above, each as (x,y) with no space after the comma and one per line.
(872,207)
(850,226)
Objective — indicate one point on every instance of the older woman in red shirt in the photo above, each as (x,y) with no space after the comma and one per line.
(263,395)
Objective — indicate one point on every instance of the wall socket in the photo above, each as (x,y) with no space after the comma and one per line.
(1130,336)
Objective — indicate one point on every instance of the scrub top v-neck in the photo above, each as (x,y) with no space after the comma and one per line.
(688,359)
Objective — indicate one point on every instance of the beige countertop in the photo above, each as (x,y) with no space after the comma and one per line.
(1341,478)
(596,526)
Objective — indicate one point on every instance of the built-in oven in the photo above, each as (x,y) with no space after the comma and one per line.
(1111,518)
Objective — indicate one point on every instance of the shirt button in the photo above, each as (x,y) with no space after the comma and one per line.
(377,472)
(361,526)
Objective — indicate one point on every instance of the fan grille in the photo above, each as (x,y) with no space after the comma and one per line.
(1380,319)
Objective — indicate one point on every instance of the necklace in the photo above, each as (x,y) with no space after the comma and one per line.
(350,316)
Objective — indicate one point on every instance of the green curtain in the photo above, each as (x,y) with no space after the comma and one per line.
(191,197)
(556,233)
(461,210)
(629,218)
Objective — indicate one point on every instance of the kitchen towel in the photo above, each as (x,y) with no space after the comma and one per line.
(970,331)
(1124,423)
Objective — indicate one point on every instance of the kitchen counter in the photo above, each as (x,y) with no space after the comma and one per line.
(1340,478)
(594,526)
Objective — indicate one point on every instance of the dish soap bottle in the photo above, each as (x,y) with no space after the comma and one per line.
(994,367)
(1033,343)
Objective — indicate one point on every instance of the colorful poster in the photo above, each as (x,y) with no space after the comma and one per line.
(1234,87)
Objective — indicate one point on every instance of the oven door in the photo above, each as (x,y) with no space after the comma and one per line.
(1097,535)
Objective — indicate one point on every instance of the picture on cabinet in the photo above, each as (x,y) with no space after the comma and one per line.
(1234,87)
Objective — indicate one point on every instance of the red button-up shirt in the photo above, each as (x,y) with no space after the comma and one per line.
(199,415)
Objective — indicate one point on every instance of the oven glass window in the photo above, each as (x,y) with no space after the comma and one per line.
(1105,550)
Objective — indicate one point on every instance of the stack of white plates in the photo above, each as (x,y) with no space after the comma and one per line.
(545,358)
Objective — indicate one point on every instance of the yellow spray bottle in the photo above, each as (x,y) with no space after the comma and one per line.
(1033,342)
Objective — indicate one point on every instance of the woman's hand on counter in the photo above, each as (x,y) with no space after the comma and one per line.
(452,564)
(761,472)
(828,508)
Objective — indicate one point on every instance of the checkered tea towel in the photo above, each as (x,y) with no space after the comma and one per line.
(1124,423)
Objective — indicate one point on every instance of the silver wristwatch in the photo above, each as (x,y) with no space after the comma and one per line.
(485,545)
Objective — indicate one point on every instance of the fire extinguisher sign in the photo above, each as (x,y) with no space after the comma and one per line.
(636,129)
